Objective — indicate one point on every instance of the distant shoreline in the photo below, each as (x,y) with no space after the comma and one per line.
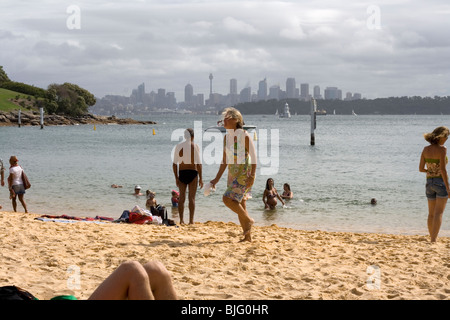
(32,118)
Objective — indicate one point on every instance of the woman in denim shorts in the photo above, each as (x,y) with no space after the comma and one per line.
(433,162)
(15,183)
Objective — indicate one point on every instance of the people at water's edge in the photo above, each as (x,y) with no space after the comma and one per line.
(239,157)
(15,184)
(433,161)
(151,199)
(175,198)
(270,195)
(287,192)
(187,169)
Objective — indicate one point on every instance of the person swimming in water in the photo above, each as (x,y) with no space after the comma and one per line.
(287,193)
(270,195)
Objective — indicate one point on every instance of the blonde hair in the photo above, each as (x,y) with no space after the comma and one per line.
(435,136)
(235,114)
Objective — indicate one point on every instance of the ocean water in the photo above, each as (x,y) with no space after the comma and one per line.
(355,158)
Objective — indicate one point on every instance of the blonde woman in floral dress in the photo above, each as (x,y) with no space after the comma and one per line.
(239,157)
(433,161)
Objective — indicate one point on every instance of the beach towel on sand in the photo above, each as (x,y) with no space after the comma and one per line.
(70,219)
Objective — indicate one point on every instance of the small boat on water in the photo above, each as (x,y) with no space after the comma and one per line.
(321,112)
(286,113)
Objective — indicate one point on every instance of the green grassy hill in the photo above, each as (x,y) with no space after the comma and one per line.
(12,100)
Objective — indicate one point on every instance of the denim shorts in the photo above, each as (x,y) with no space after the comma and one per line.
(18,189)
(435,188)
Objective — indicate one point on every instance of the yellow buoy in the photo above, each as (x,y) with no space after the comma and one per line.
(94,128)
(154,132)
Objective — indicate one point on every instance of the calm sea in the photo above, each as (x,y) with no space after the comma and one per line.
(355,158)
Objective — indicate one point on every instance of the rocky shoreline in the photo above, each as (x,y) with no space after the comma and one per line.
(32,118)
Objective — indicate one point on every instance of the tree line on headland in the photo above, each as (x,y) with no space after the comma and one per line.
(63,104)
(383,106)
(63,99)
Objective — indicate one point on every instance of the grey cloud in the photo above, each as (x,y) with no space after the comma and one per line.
(170,43)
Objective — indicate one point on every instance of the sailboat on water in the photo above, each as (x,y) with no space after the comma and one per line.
(286,113)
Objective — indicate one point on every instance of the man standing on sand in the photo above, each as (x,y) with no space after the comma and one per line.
(187,168)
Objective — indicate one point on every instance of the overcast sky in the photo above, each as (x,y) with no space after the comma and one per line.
(379,48)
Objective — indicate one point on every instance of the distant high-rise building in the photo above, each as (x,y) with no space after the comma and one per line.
(200,100)
(262,90)
(233,86)
(246,95)
(290,88)
(316,93)
(357,96)
(274,92)
(171,101)
(161,99)
(188,95)
(141,93)
(304,91)
(332,93)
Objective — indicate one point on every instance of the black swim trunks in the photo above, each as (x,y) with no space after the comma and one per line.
(186,176)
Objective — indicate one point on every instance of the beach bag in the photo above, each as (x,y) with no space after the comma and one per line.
(15,293)
(159,211)
(26,182)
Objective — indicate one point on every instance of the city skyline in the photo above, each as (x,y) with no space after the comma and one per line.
(382,49)
(140,101)
(264,91)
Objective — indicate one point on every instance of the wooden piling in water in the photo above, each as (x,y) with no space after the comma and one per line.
(41,110)
(313,120)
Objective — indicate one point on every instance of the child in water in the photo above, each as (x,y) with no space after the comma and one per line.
(175,198)
(151,200)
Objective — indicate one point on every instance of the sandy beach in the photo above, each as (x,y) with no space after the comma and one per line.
(208,263)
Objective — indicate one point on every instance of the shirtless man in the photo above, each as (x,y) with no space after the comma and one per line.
(187,168)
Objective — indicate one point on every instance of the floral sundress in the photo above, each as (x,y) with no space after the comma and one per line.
(239,166)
